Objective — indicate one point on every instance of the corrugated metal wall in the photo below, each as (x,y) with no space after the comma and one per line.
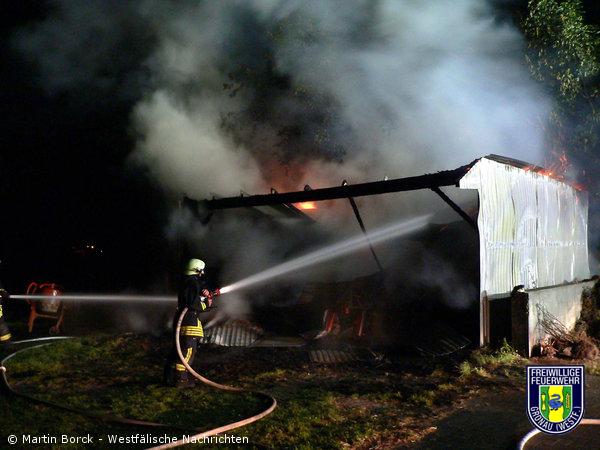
(532,228)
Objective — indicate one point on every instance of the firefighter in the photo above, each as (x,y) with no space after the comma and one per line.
(195,295)
(4,331)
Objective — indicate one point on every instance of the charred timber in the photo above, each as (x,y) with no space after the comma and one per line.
(361,224)
(455,207)
(428,181)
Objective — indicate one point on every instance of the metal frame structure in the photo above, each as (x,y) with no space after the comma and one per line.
(516,199)
(284,202)
(427,181)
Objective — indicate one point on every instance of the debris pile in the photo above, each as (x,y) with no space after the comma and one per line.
(574,344)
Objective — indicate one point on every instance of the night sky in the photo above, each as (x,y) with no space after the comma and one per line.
(66,181)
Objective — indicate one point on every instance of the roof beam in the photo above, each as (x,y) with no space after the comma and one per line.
(455,207)
(361,224)
(428,181)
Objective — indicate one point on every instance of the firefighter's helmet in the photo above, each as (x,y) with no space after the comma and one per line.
(195,266)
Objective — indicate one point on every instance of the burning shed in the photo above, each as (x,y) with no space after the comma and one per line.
(532,229)
(532,236)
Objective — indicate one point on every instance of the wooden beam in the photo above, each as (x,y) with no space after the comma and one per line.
(428,181)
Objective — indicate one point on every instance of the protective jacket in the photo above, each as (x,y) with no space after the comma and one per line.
(190,296)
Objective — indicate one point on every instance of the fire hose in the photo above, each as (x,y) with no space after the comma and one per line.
(224,428)
(127,421)
(91,414)
(523,442)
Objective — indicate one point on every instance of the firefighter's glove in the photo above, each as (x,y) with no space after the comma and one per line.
(208,297)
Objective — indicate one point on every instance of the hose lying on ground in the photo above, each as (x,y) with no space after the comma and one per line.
(523,442)
(127,421)
(224,428)
(91,414)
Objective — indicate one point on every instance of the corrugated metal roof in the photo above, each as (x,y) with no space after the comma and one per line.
(330,356)
(532,228)
(231,334)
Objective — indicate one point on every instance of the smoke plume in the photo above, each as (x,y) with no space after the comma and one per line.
(246,95)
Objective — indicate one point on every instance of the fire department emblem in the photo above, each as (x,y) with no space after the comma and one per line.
(555,396)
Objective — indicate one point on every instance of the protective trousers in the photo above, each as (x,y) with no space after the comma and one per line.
(189,334)
(191,331)
(4,331)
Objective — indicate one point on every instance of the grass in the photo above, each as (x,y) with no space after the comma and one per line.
(487,363)
(344,406)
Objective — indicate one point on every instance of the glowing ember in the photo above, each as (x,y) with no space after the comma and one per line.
(557,170)
(578,186)
(305,205)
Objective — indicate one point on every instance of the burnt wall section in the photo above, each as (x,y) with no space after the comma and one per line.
(500,320)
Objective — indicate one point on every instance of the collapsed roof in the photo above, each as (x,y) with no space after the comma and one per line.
(532,227)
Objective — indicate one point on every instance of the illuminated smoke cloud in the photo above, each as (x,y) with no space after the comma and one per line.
(246,95)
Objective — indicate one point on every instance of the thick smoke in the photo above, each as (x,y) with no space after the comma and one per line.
(246,95)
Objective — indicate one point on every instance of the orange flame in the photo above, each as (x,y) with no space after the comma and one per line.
(306,205)
(556,169)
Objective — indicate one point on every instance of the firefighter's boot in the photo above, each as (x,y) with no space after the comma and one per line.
(184,380)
